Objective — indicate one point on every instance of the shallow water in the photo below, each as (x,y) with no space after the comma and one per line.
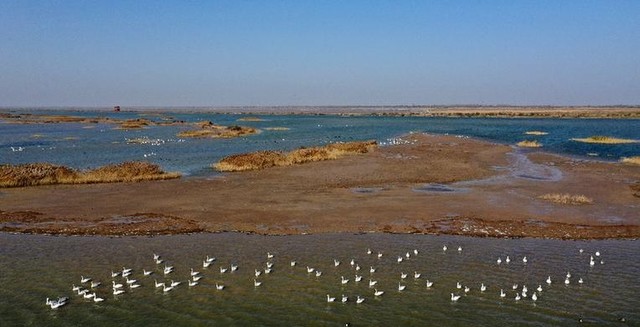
(34,267)
(77,146)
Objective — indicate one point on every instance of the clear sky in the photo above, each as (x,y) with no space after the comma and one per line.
(236,53)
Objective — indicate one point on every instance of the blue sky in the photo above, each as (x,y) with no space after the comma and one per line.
(240,53)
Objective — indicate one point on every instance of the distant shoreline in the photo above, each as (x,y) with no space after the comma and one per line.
(616,111)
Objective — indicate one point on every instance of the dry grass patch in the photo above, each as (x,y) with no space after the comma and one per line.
(631,160)
(135,123)
(265,159)
(536,133)
(47,174)
(566,198)
(604,140)
(529,144)
(211,130)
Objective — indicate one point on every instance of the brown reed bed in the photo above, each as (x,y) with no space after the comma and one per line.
(604,140)
(208,129)
(265,159)
(529,144)
(566,198)
(48,174)
(635,160)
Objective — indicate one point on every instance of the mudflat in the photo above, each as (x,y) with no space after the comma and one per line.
(425,184)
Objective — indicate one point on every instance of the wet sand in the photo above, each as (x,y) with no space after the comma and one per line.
(431,184)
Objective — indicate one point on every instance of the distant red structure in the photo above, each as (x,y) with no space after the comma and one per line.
(116,108)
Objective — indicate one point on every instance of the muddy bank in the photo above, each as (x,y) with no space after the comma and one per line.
(429,184)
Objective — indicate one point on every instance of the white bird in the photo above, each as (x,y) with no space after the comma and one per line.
(359,299)
(378,293)
(357,267)
(82,292)
(454,298)
(158,285)
(591,262)
(330,299)
(566,281)
(403,275)
(539,289)
(507,260)
(408,255)
(257,272)
(518,297)
(502,293)
(126,270)
(130,281)
(459,249)
(466,289)
(372,270)
(159,261)
(256,283)
(444,248)
(310,270)
(344,298)
(147,273)
(368,251)
(269,265)
(416,275)
(401,287)
(534,297)
(194,273)
(219,287)
(415,251)
(205,264)
(515,286)
(499,261)
(580,280)
(318,273)
(336,263)
(549,280)
(95,284)
(568,274)
(174,284)
(116,285)
(524,259)
(292,263)
(210,259)
(353,262)
(134,285)
(269,255)
(524,288)
(74,288)
(84,280)
(166,289)
(372,283)
(358,278)
(597,253)
(223,270)
(429,284)
(581,250)
(168,270)
(156,256)
(115,274)
(379,255)
(483,287)
(117,291)
(458,285)
(196,278)
(97,299)
(343,280)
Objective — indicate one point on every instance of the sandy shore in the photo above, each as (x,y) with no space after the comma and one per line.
(431,184)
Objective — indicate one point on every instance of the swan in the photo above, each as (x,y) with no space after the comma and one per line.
(415,251)
(219,287)
(591,262)
(146,273)
(403,275)
(517,298)
(379,255)
(256,283)
(372,270)
(174,284)
(75,288)
(269,264)
(358,278)
(524,259)
(483,287)
(524,288)
(292,263)
(597,253)
(502,293)
(357,267)
(126,270)
(499,261)
(534,297)
(134,285)
(56,304)
(343,280)
(115,274)
(336,263)
(407,255)
(568,274)
(205,264)
(416,275)
(372,283)
(168,270)
(507,260)
(130,281)
(401,287)
(159,261)
(267,271)
(459,249)
(515,286)
(454,298)
(549,280)
(166,289)
(359,299)
(117,291)
(192,283)
(116,285)
(194,273)
(352,263)
(269,255)
(466,289)
(330,299)
(344,298)
(580,281)
(97,299)
(84,280)
(581,250)
(310,270)
(368,251)
(444,248)
(458,285)
(88,295)
(378,293)
(158,285)
(196,278)
(429,284)
(223,270)
(82,292)
(257,272)
(210,259)
(156,256)
(95,284)
(566,281)
(539,289)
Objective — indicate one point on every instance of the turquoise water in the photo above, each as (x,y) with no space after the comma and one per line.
(79,147)
(34,267)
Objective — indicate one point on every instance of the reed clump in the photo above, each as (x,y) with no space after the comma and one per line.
(134,123)
(604,140)
(635,160)
(265,159)
(529,144)
(208,129)
(573,199)
(48,174)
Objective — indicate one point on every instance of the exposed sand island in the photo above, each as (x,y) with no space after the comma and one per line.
(210,130)
(432,184)
(604,140)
